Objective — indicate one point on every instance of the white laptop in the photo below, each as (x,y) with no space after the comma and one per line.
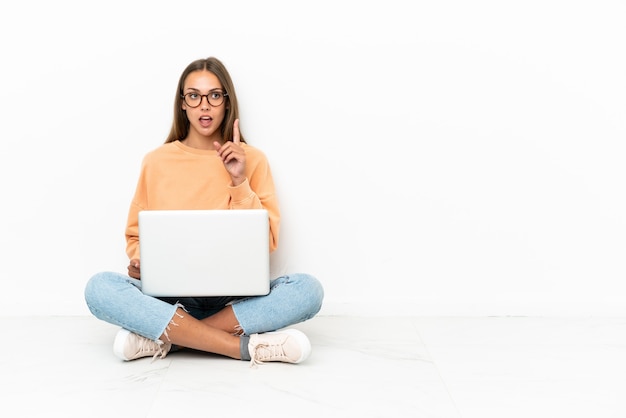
(204,252)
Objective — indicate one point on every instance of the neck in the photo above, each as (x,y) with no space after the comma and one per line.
(200,142)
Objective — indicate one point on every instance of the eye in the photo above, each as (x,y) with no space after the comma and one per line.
(216,95)
(193,96)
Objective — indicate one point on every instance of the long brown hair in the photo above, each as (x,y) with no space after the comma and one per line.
(180,124)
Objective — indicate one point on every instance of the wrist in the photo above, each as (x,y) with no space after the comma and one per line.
(236,181)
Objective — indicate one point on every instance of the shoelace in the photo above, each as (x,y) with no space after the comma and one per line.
(161,353)
(263,352)
(148,345)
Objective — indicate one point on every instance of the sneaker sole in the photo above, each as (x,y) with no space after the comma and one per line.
(303,341)
(120,343)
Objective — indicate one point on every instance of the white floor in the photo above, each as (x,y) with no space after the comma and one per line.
(359,367)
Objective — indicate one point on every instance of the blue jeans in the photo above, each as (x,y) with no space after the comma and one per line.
(117,298)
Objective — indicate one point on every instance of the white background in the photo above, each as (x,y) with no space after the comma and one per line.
(431,158)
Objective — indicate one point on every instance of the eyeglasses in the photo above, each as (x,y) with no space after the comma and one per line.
(215,98)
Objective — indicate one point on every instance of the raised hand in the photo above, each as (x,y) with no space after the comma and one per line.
(233,156)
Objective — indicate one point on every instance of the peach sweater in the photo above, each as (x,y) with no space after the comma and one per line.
(175,176)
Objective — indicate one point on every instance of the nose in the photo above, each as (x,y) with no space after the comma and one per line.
(207,105)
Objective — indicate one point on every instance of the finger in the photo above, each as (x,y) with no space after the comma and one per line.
(228,154)
(222,149)
(236,135)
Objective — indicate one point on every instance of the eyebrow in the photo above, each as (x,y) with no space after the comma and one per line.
(210,91)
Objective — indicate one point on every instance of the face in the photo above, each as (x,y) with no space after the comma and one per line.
(205,120)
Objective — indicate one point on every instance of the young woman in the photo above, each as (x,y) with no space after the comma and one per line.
(205,163)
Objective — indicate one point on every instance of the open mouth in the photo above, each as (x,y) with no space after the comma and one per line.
(205,121)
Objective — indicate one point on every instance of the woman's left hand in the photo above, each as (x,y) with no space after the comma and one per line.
(134,270)
(233,156)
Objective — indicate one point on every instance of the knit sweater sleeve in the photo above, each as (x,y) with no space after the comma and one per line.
(258,192)
(132,223)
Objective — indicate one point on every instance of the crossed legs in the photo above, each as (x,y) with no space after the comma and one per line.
(215,334)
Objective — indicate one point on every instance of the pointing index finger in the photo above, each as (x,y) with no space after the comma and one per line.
(236,135)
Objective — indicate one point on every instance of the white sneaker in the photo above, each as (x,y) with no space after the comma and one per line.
(288,346)
(131,346)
